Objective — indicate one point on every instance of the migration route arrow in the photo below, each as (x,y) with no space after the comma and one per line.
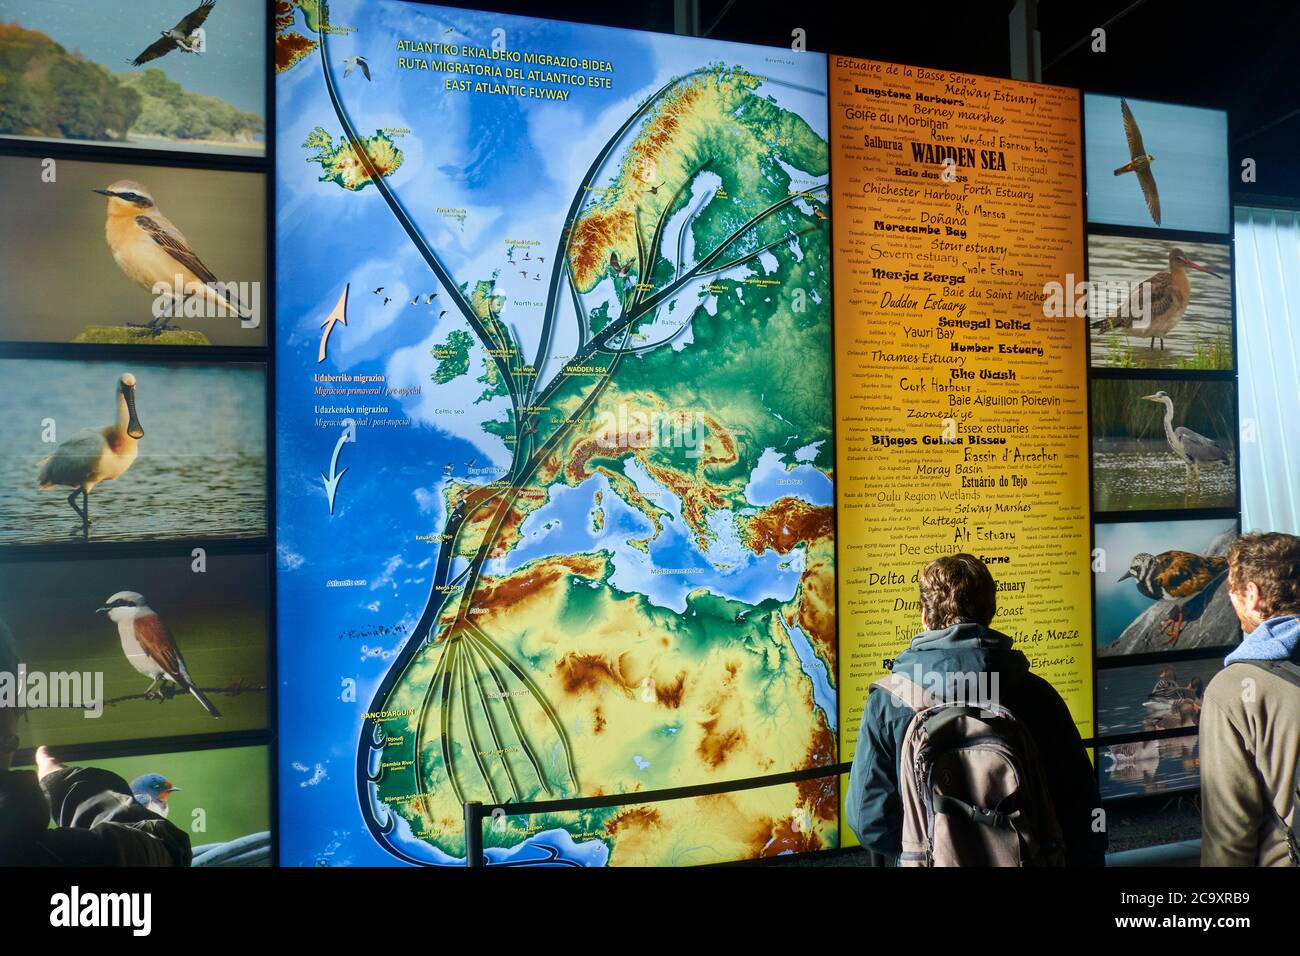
(337,315)
(332,482)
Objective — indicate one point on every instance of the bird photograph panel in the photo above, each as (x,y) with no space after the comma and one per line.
(1149,697)
(141,451)
(1156,165)
(1159,304)
(155,74)
(127,254)
(1164,586)
(180,642)
(221,797)
(1161,443)
(1146,768)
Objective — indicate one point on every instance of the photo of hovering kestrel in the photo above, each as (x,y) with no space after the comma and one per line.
(1139,162)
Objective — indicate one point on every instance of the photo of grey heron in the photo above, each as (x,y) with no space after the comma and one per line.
(1163,444)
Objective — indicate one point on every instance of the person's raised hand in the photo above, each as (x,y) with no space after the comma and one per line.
(46,764)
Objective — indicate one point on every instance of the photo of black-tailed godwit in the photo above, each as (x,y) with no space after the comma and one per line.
(1177,317)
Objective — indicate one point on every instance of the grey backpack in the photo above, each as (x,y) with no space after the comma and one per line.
(971,785)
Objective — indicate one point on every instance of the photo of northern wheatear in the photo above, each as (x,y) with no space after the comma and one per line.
(168,225)
(154,253)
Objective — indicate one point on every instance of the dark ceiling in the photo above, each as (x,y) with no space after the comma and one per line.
(1241,56)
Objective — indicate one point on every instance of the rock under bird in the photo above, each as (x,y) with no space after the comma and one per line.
(180,37)
(1139,162)
(1158,304)
(149,646)
(153,252)
(82,462)
(1192,447)
(1174,577)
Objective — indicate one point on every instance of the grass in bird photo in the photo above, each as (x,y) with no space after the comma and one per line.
(1164,586)
(97,255)
(1159,304)
(182,651)
(1163,444)
(136,451)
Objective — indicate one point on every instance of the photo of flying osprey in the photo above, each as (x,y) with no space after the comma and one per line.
(168,74)
(180,37)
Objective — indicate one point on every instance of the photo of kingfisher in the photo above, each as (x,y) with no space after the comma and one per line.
(1139,162)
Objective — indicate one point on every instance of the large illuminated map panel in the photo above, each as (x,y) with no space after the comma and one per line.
(554,440)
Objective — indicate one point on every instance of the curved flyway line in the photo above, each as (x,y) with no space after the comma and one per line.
(580,197)
(430,257)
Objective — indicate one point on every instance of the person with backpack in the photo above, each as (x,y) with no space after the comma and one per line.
(1250,718)
(964,757)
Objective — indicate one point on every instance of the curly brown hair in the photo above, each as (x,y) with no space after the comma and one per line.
(958,589)
(1271,560)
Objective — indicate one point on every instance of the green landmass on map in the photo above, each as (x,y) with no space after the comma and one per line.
(341,163)
(645,696)
(452,356)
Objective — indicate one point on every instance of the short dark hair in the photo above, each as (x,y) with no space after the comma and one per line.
(1272,560)
(958,589)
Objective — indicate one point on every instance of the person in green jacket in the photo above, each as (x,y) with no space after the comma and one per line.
(957,646)
(1250,722)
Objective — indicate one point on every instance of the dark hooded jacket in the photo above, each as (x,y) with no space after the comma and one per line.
(96,822)
(872,806)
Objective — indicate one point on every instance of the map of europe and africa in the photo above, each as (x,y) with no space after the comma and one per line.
(554,439)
